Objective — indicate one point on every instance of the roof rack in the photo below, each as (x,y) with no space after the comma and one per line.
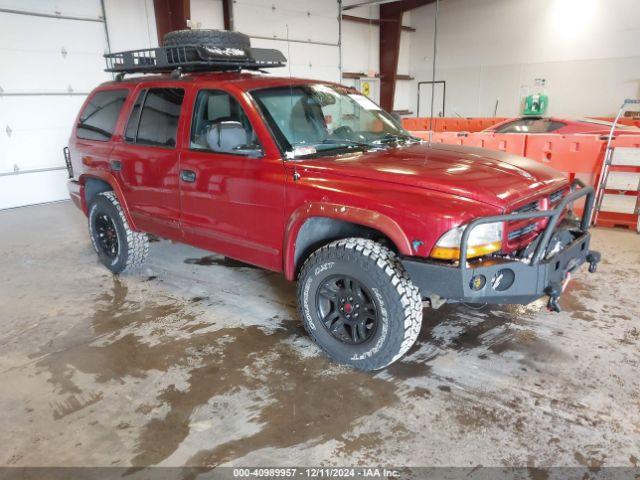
(192,58)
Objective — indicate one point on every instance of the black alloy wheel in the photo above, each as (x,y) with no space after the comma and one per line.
(107,235)
(358,303)
(118,246)
(347,310)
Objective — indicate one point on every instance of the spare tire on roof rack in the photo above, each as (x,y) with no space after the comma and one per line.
(195,50)
(222,40)
(207,38)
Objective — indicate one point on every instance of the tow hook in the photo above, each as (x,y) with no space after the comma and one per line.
(554,290)
(593,258)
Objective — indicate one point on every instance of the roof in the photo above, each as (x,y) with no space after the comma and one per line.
(246,81)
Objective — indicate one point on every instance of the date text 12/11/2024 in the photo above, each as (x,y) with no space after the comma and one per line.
(319,472)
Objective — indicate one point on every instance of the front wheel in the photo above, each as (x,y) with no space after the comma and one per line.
(358,303)
(119,248)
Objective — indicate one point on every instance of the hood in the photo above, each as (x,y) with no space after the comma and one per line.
(496,178)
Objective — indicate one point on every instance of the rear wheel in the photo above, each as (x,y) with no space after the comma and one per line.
(119,248)
(358,303)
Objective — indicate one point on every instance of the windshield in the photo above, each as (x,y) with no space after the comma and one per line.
(316,120)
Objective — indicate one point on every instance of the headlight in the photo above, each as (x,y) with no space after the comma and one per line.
(484,239)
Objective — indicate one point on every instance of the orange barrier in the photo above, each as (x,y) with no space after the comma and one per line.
(454,125)
(450,124)
(452,138)
(505,142)
(576,155)
(477,124)
(475,139)
(632,141)
(414,124)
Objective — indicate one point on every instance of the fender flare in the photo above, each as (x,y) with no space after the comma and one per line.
(359,216)
(115,186)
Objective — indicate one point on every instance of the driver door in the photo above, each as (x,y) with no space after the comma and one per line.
(231,193)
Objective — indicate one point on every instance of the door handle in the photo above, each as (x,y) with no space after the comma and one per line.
(116,165)
(188,176)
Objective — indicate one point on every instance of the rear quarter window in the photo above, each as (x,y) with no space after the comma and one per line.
(156,124)
(98,118)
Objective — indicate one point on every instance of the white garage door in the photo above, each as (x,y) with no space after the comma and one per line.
(51,56)
(311,28)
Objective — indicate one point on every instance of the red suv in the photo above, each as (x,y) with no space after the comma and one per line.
(314,180)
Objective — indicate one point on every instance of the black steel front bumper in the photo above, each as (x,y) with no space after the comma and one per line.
(499,280)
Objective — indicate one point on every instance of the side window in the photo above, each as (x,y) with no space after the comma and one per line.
(132,124)
(157,123)
(98,119)
(221,125)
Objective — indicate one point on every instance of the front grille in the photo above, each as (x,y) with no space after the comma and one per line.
(556,196)
(512,235)
(529,207)
(519,230)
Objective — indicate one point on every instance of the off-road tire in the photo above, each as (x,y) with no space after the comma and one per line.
(397,299)
(207,38)
(133,247)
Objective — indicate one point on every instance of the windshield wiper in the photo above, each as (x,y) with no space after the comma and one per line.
(394,137)
(347,143)
(341,144)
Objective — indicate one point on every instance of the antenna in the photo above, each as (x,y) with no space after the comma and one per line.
(293,131)
(288,51)
(433,69)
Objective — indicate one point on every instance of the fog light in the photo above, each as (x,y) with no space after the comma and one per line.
(503,279)
(478,282)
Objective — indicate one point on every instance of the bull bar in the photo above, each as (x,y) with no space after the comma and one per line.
(503,280)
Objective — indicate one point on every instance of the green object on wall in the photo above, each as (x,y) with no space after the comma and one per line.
(535,104)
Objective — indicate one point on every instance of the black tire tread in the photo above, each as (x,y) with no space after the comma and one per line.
(410,302)
(137,242)
(207,37)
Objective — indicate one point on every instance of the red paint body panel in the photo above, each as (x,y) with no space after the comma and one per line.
(494,178)
(252,209)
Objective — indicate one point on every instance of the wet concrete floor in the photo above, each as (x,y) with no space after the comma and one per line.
(199,360)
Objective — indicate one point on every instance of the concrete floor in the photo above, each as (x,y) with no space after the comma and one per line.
(201,361)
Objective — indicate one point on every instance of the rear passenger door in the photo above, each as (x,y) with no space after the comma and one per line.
(146,160)
(232,194)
